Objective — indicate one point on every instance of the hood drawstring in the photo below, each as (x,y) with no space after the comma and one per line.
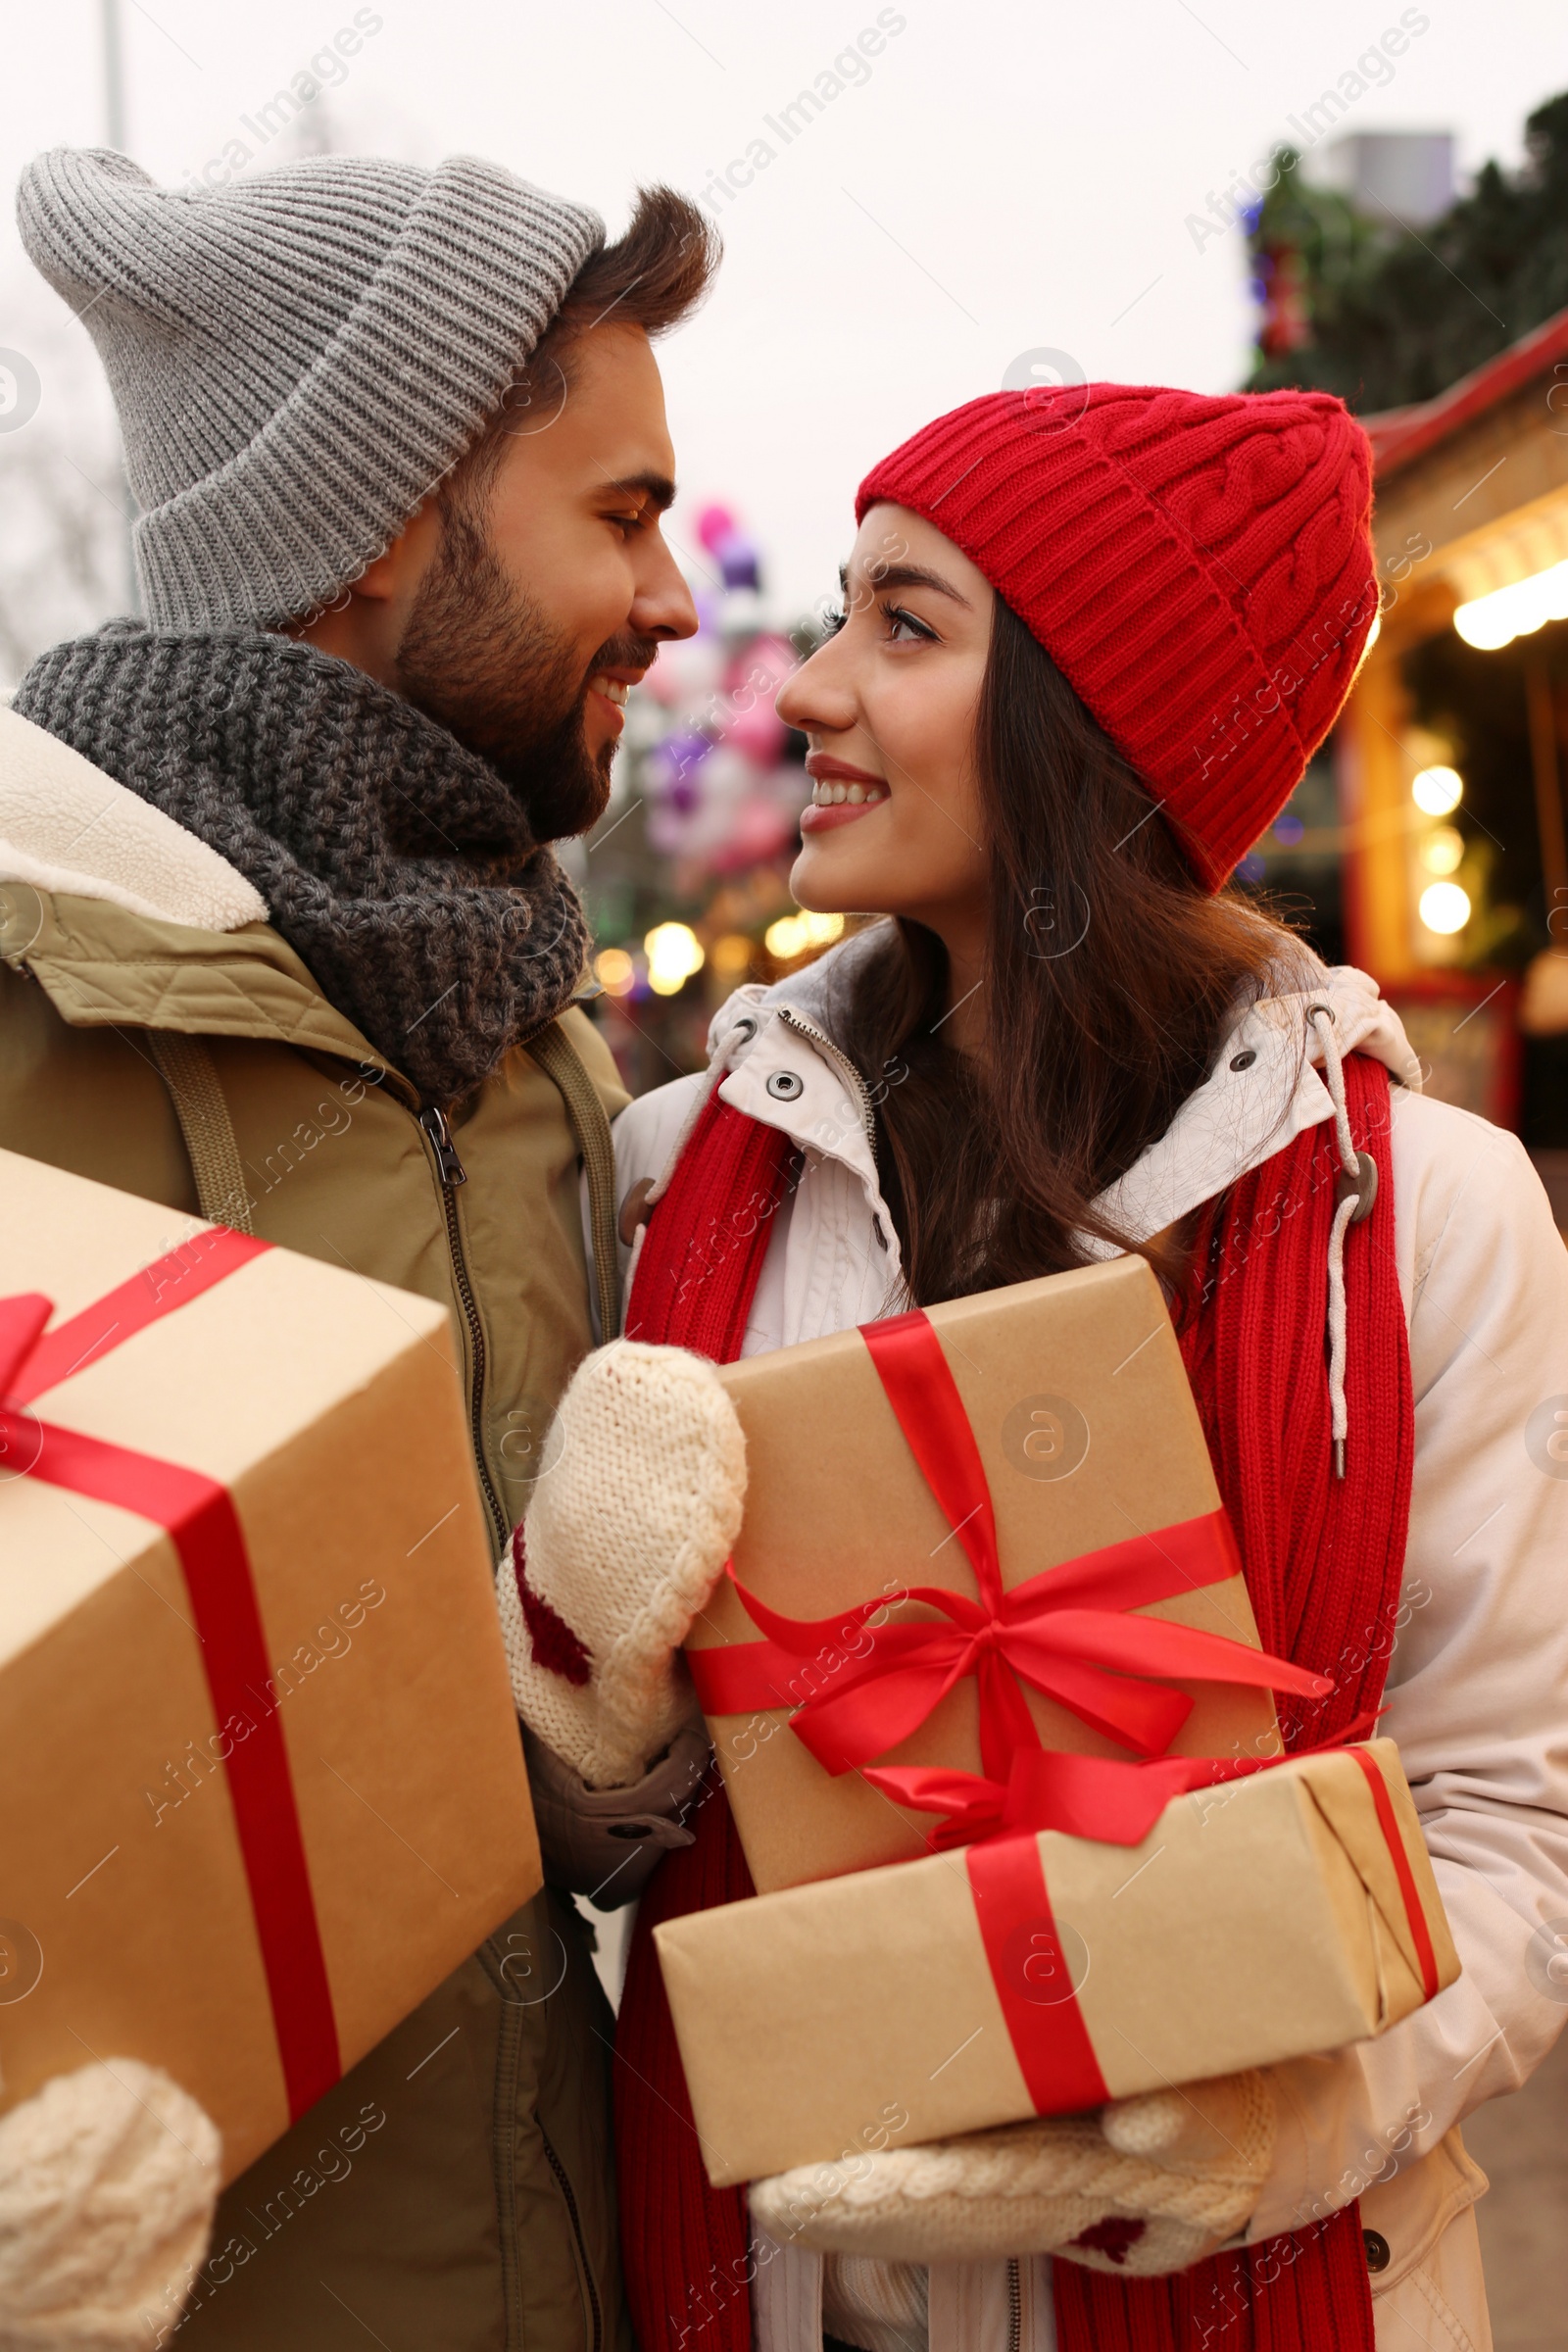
(1356,1191)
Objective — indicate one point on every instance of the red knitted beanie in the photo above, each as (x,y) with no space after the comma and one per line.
(1198,568)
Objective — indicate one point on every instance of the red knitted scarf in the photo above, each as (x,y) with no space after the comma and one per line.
(1323,1558)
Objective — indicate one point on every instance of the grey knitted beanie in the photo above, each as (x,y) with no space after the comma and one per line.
(296,358)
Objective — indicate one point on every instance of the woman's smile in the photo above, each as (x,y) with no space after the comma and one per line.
(840,793)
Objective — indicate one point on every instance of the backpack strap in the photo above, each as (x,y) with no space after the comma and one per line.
(188,1070)
(559,1058)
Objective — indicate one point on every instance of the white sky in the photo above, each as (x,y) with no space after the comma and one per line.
(1013,174)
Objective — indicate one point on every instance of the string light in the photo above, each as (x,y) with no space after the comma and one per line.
(1517,611)
(1437,791)
(1443,850)
(1444,908)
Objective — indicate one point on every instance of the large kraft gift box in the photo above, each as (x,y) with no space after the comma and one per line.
(261,1784)
(1282,1913)
(1088,1444)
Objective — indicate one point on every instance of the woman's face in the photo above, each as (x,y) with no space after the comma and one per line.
(888,706)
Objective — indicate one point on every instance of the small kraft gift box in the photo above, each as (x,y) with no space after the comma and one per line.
(261,1784)
(1226,1914)
(989,1526)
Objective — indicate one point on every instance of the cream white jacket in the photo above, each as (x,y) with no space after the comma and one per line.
(1478,1681)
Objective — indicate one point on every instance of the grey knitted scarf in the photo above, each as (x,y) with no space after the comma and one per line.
(397,865)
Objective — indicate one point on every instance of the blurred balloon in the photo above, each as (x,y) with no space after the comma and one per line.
(752,682)
(715,525)
(758,732)
(677,758)
(662,682)
(705,748)
(738,562)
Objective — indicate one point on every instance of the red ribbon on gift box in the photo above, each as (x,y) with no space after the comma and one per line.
(1085,1797)
(1067,1632)
(199,1515)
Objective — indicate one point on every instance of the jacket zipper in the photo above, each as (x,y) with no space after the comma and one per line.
(565,2188)
(1015,2307)
(453,1173)
(846,1068)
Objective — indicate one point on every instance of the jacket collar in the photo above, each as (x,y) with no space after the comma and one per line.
(67,827)
(121,915)
(773,1058)
(1263,1090)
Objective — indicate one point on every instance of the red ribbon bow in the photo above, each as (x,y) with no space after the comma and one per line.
(1066,1633)
(199,1515)
(1103,1797)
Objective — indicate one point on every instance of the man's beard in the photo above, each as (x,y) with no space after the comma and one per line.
(483,659)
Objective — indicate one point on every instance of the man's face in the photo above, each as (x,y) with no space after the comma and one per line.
(549,592)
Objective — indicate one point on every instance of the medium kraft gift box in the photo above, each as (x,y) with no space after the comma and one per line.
(1282,1913)
(261,1784)
(1088,1437)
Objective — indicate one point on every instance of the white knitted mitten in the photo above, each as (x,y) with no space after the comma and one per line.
(623,1543)
(1142,2186)
(108,2180)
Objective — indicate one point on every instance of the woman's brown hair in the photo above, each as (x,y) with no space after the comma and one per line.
(1111,978)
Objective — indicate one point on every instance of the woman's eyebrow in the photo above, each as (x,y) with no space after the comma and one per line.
(908,575)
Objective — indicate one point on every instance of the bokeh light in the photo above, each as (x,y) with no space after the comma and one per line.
(731,955)
(1437,790)
(797,934)
(615,971)
(1443,850)
(1444,908)
(675,951)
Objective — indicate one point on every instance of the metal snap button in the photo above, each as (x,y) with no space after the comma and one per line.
(1244,1061)
(1378,2257)
(784,1086)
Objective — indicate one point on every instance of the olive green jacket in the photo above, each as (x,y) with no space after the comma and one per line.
(157,1034)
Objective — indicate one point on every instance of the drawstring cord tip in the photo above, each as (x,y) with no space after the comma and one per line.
(1354,1193)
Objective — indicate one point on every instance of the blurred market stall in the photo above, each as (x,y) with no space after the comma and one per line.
(1427,843)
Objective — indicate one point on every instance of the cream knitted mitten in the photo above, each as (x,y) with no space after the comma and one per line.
(623,1543)
(108,2180)
(1142,2186)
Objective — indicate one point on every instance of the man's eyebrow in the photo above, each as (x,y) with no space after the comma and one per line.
(909,575)
(657,488)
